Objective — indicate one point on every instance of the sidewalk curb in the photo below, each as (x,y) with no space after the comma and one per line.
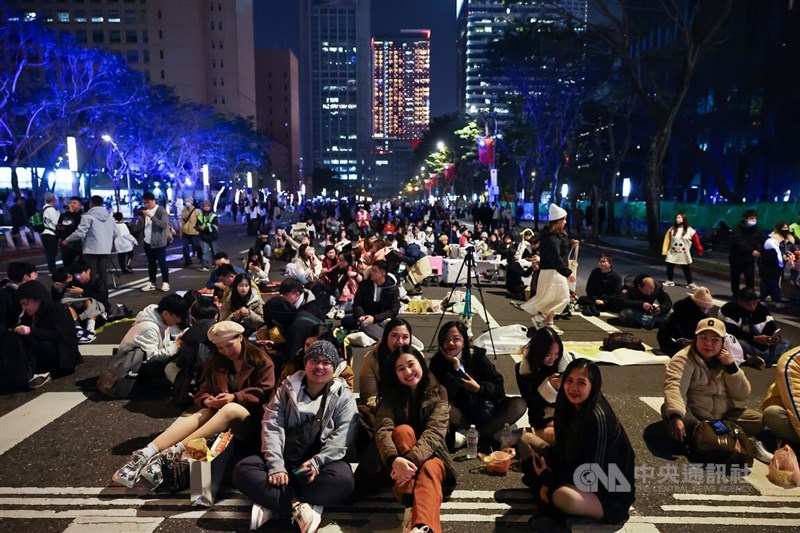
(652,261)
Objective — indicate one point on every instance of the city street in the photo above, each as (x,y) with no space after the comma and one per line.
(60,445)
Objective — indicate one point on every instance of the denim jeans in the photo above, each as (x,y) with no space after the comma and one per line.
(770,355)
(209,250)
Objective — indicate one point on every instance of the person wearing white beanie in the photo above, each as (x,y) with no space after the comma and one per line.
(552,288)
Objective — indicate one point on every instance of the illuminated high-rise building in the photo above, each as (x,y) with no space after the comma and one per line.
(401,85)
(481,22)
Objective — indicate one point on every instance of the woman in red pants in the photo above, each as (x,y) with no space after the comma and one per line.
(411,424)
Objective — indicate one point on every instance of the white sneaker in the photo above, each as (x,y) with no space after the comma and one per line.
(340,314)
(668,283)
(149,287)
(760,452)
(692,287)
(420,529)
(164,287)
(306,517)
(331,313)
(260,516)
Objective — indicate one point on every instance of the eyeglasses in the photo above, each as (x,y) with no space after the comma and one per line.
(711,339)
(314,361)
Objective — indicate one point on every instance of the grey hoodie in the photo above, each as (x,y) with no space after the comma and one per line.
(339,423)
(152,335)
(96,230)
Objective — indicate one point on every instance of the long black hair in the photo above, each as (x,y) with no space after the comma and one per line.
(538,348)
(462,330)
(569,421)
(404,401)
(238,301)
(382,351)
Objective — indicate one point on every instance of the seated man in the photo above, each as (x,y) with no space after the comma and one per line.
(377,300)
(678,330)
(220,259)
(643,304)
(86,297)
(18,273)
(782,404)
(602,284)
(703,383)
(301,298)
(155,332)
(750,322)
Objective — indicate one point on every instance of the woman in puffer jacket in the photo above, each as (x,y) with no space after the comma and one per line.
(243,305)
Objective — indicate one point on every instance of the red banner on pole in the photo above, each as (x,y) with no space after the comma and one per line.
(449,171)
(486,150)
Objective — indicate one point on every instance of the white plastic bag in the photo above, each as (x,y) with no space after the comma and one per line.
(507,339)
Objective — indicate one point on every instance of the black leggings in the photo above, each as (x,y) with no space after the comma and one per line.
(687,271)
(506,411)
(156,259)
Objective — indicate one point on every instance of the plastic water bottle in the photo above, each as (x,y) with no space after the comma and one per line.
(506,437)
(472,442)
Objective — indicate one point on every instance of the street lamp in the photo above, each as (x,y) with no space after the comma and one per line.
(440,146)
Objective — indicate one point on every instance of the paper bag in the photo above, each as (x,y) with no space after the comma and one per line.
(207,475)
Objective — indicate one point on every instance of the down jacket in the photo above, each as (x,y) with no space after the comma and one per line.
(707,392)
(785,392)
(339,423)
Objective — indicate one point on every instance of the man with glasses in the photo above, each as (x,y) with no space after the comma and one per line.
(704,383)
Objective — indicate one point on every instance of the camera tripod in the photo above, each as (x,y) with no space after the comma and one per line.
(466,314)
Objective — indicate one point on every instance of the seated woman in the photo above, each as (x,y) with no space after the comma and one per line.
(704,383)
(46,333)
(257,267)
(375,368)
(305,267)
(237,381)
(474,387)
(514,274)
(538,381)
(243,305)
(588,432)
(411,424)
(782,404)
(301,468)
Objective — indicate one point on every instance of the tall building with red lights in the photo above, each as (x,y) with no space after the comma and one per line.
(401,89)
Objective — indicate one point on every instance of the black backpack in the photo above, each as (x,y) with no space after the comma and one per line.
(118,379)
(622,339)
(190,377)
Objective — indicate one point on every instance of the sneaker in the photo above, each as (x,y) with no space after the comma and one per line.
(88,336)
(760,452)
(420,528)
(406,519)
(668,283)
(416,291)
(692,287)
(164,287)
(39,380)
(167,471)
(754,361)
(79,333)
(149,287)
(340,314)
(555,328)
(203,269)
(260,516)
(539,321)
(331,313)
(129,473)
(306,517)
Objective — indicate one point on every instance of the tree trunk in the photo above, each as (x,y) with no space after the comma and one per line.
(15,181)
(655,160)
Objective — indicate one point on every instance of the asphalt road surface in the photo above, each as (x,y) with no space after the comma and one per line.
(60,445)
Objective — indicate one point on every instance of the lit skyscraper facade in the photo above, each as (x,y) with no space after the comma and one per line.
(336,84)
(481,22)
(401,86)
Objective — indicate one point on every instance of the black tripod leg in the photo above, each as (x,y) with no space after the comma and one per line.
(474,266)
(449,297)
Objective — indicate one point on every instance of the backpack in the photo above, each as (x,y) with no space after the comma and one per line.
(36,222)
(118,379)
(622,339)
(118,312)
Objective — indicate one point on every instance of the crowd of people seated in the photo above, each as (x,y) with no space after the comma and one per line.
(271,362)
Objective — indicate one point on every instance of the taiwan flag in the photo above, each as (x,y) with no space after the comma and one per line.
(486,150)
(449,171)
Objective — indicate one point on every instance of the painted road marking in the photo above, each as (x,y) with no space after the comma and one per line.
(738,509)
(737,498)
(114,524)
(655,402)
(32,416)
(92,350)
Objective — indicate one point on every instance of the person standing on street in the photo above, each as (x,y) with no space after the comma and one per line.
(156,227)
(747,241)
(67,223)
(677,248)
(96,230)
(188,231)
(50,216)
(552,288)
(208,229)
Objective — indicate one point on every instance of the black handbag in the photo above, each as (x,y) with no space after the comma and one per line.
(303,442)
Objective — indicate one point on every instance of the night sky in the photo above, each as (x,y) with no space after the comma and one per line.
(277,26)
